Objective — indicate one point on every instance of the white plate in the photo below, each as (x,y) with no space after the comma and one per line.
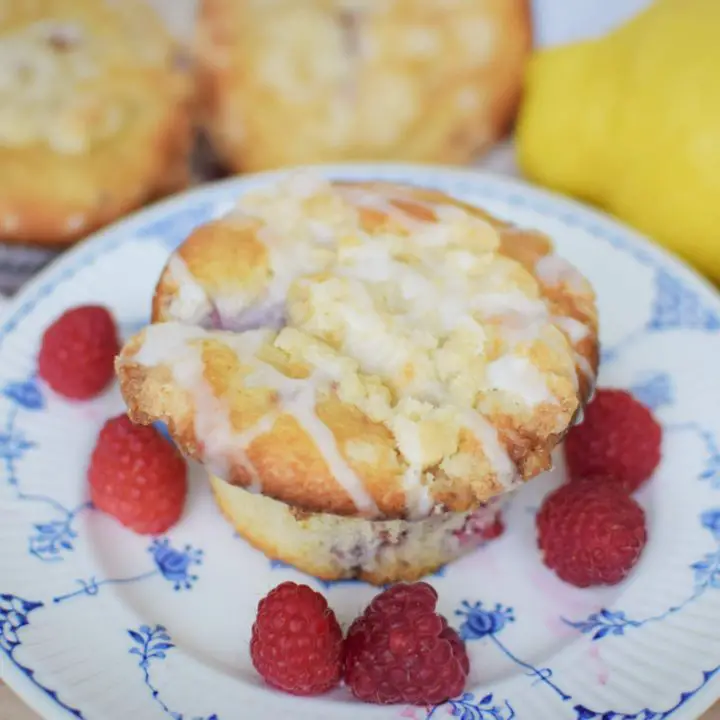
(98,623)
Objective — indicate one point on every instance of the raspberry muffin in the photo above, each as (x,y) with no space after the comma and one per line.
(93,115)
(289,83)
(366,370)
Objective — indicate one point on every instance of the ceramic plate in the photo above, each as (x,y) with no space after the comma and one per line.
(98,623)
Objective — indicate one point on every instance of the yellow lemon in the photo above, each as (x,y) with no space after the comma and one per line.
(631,122)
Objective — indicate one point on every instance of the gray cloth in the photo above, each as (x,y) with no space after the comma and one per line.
(18,264)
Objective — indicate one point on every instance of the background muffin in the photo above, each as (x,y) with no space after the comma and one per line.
(93,115)
(285,82)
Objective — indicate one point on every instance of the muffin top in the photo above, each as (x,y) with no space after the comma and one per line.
(365,348)
(63,67)
(93,115)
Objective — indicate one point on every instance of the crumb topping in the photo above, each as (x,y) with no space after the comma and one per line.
(404,309)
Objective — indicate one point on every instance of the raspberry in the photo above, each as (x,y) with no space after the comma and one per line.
(494,530)
(619,439)
(476,529)
(401,651)
(591,533)
(297,644)
(77,352)
(137,476)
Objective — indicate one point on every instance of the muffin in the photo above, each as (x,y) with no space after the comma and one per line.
(370,367)
(284,83)
(335,547)
(94,117)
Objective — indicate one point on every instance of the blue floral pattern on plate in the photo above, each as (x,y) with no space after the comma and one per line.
(153,644)
(171,564)
(50,539)
(706,576)
(14,616)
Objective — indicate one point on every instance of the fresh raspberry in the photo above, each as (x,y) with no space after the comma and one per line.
(297,643)
(591,533)
(401,651)
(77,352)
(137,476)
(619,439)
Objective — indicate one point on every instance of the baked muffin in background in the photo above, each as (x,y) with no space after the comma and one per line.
(366,370)
(94,115)
(289,82)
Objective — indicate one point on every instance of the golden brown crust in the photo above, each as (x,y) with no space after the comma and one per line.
(220,255)
(286,457)
(420,80)
(111,133)
(252,399)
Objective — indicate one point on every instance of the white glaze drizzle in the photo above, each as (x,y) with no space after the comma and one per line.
(168,344)
(297,397)
(190,303)
(243,441)
(517,375)
(365,198)
(418,500)
(584,365)
(553,270)
(574,329)
(499,304)
(497,455)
